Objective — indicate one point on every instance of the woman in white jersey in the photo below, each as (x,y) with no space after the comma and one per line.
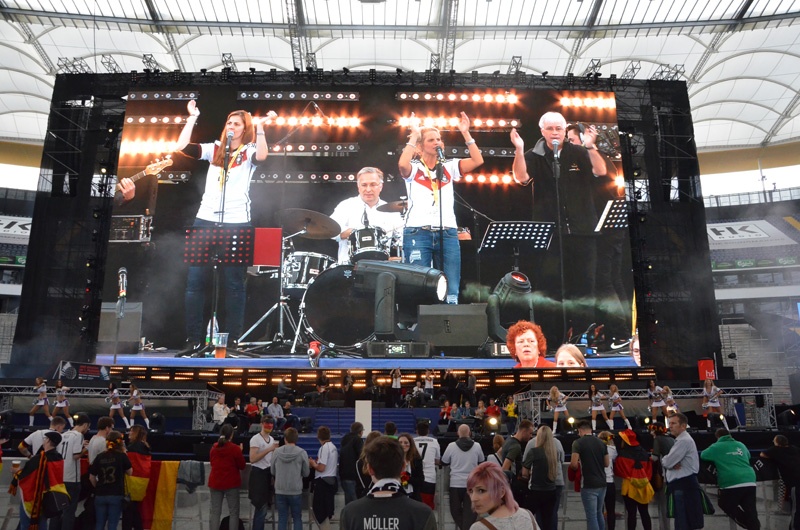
(40,388)
(137,404)
(61,404)
(115,407)
(557,402)
(431,216)
(246,147)
(616,405)
(596,397)
(655,394)
(711,404)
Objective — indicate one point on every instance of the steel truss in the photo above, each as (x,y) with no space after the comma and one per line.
(533,402)
(201,399)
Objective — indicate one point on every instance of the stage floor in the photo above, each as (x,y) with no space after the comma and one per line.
(168,360)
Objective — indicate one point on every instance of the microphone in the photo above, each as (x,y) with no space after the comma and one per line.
(365,219)
(555,149)
(440,155)
(228,141)
(122,276)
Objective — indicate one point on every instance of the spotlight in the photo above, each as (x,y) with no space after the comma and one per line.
(544,74)
(157,423)
(787,420)
(345,70)
(732,355)
(510,301)
(398,287)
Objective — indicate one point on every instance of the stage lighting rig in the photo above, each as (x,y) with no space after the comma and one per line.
(510,301)
(398,287)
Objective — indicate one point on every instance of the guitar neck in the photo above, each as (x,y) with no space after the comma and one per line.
(134,178)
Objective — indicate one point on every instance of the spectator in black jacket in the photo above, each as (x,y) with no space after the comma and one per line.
(350,452)
(787,458)
(386,505)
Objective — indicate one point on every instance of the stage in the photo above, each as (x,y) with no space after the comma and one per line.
(443,361)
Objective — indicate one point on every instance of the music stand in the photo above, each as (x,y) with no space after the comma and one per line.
(218,246)
(615,215)
(516,236)
(269,250)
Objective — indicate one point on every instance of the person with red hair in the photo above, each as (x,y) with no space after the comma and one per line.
(527,345)
(232,159)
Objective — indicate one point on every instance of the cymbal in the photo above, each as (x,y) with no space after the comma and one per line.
(317,225)
(395,206)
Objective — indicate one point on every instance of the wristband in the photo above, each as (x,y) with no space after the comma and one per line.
(260,134)
(469,143)
(411,145)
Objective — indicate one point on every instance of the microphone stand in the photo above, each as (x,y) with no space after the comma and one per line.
(475,214)
(557,177)
(440,178)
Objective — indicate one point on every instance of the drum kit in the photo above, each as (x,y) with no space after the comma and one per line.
(331,311)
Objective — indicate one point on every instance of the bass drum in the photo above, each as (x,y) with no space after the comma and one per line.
(334,313)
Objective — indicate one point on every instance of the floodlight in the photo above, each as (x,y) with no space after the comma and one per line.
(400,286)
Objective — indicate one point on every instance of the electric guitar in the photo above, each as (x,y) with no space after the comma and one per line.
(152,169)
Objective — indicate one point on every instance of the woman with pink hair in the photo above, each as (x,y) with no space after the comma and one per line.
(493,501)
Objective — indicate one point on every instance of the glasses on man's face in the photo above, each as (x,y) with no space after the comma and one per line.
(553,128)
(369,185)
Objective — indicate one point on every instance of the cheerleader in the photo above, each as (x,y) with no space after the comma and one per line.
(656,396)
(62,403)
(711,402)
(596,397)
(672,405)
(137,406)
(116,404)
(40,402)
(557,402)
(616,405)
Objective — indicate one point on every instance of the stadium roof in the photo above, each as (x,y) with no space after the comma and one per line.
(739,58)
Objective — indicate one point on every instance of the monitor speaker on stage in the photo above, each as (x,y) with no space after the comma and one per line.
(452,325)
(130,327)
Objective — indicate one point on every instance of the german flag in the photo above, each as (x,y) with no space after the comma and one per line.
(39,476)
(136,483)
(159,500)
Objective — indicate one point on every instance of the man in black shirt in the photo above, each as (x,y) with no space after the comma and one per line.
(787,458)
(386,506)
(591,456)
(350,452)
(570,193)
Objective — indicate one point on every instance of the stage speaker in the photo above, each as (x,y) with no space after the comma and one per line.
(794,387)
(452,325)
(130,327)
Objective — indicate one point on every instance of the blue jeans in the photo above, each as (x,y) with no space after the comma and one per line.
(286,503)
(349,488)
(593,499)
(421,247)
(233,287)
(109,509)
(259,514)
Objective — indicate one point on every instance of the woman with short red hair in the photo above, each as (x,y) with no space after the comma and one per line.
(527,345)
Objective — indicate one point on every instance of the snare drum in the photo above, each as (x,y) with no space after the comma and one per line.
(302,267)
(369,243)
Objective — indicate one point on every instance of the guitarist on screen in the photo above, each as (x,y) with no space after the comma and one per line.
(126,187)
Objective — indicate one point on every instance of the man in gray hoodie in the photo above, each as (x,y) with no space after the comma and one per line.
(289,466)
(462,456)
